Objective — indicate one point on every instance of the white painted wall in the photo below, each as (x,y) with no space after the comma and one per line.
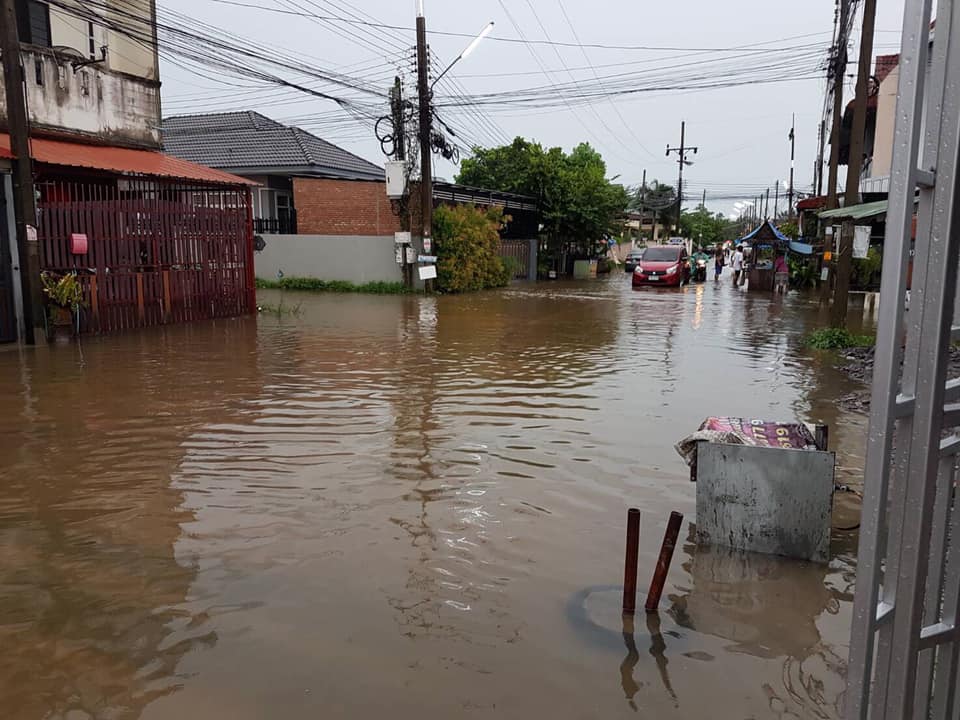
(114,108)
(886,119)
(124,54)
(354,258)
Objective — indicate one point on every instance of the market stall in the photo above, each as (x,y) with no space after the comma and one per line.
(764,242)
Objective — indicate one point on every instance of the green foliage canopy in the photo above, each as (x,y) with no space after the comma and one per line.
(577,200)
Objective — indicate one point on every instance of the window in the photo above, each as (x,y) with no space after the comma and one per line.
(33,22)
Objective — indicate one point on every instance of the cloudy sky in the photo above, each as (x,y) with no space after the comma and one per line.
(619,74)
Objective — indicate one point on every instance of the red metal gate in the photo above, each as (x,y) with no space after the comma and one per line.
(519,251)
(157,251)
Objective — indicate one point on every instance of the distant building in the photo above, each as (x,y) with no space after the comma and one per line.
(152,238)
(307,185)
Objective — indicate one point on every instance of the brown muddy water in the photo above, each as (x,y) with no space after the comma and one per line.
(408,508)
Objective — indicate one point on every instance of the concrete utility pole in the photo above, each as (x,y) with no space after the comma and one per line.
(766,206)
(643,204)
(426,129)
(839,67)
(851,196)
(818,170)
(24,202)
(776,199)
(681,161)
(793,148)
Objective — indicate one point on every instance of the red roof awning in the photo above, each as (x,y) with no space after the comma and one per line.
(812,203)
(123,161)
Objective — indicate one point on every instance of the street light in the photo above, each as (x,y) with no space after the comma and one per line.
(470,48)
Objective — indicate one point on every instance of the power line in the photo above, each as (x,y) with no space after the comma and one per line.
(597,46)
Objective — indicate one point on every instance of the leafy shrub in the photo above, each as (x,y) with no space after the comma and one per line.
(803,273)
(468,248)
(866,270)
(837,339)
(340,286)
(64,291)
(510,266)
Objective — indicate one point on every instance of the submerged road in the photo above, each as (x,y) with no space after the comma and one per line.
(409,508)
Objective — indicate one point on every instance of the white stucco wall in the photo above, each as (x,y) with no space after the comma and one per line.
(354,258)
(90,101)
(886,118)
(124,54)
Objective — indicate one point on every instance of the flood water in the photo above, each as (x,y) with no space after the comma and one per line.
(409,508)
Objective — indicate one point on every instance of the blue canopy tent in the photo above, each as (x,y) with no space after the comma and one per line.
(766,236)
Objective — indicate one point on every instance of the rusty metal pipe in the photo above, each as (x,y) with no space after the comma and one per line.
(630,563)
(663,562)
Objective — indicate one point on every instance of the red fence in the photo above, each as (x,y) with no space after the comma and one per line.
(519,251)
(157,252)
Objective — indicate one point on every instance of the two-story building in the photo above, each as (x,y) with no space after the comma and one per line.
(111,206)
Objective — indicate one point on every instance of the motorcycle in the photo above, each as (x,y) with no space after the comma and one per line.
(699,268)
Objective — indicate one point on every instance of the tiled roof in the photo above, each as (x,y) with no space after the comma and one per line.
(120,160)
(884,65)
(251,141)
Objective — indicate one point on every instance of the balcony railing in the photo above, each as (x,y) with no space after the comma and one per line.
(276,226)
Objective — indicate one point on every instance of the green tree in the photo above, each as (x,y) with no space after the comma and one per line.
(658,198)
(712,227)
(577,201)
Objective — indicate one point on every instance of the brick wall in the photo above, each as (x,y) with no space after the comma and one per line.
(343,207)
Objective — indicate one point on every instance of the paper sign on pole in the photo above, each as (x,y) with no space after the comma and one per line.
(861,241)
(401,238)
(428,272)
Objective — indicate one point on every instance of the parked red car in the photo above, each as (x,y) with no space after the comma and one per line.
(663,265)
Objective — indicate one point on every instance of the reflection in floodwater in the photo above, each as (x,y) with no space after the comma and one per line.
(767,607)
(378,507)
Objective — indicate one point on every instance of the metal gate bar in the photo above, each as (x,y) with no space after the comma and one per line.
(904,641)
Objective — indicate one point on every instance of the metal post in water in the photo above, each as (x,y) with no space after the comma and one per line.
(630,564)
(663,562)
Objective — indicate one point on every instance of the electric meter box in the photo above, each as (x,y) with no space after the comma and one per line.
(396,179)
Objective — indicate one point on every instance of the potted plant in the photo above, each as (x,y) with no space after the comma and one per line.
(65,295)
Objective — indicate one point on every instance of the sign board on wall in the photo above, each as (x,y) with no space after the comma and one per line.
(861,241)
(428,272)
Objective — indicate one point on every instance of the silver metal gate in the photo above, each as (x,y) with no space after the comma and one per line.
(8,317)
(904,643)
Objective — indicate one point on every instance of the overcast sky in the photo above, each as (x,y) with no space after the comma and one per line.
(741,132)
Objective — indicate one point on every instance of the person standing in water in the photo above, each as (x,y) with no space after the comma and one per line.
(737,263)
(718,263)
(781,274)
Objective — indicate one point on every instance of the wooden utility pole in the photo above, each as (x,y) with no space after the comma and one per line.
(838,313)
(24,202)
(839,69)
(400,153)
(426,127)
